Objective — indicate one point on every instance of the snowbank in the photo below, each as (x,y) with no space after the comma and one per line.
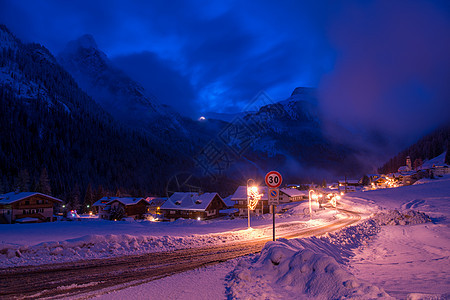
(103,246)
(306,268)
(287,270)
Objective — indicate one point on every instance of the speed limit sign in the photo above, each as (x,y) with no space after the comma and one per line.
(273,179)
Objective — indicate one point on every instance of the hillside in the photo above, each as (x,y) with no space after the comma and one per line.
(47,121)
(426,148)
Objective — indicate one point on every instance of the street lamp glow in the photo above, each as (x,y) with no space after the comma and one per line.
(252,197)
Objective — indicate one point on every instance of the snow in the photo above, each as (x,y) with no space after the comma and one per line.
(88,238)
(400,249)
(438,161)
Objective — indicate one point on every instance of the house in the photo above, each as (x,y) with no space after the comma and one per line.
(99,205)
(27,207)
(154,204)
(240,199)
(132,207)
(348,185)
(193,206)
(292,194)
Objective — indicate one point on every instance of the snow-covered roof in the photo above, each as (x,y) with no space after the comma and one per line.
(126,200)
(228,201)
(189,201)
(12,197)
(102,202)
(241,193)
(155,201)
(291,192)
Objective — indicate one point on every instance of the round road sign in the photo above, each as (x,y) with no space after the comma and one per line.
(273,179)
(273,193)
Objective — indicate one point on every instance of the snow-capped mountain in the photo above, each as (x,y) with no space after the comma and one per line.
(47,121)
(125,99)
(14,77)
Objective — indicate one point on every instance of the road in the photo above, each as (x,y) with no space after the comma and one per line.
(78,278)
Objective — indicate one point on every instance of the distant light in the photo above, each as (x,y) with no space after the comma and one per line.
(198,219)
(202,118)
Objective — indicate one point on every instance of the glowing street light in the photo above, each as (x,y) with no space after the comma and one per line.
(310,207)
(252,197)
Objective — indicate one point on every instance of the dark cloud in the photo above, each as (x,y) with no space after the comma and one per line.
(161,80)
(392,68)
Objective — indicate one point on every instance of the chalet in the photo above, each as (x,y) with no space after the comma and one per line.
(132,207)
(154,204)
(99,205)
(348,185)
(240,199)
(292,194)
(27,206)
(193,206)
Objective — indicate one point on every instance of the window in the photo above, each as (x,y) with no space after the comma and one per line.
(27,202)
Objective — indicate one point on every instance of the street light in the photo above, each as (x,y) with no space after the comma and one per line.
(310,208)
(252,192)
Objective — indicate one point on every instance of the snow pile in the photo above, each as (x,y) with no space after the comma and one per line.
(395,217)
(285,269)
(112,245)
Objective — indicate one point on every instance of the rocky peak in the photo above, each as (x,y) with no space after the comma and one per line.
(7,39)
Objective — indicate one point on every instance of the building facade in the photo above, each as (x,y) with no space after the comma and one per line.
(27,206)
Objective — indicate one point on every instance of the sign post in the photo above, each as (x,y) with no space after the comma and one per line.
(273,180)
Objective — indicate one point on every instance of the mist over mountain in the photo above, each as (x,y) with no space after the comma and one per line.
(124,98)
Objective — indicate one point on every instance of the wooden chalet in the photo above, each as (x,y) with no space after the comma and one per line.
(133,207)
(193,206)
(21,207)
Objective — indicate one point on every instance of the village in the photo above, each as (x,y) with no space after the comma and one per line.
(34,207)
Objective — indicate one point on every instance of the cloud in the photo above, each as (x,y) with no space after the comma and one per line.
(161,80)
(392,68)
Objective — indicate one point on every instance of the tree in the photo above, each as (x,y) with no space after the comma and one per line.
(447,155)
(100,193)
(117,213)
(74,198)
(365,180)
(89,197)
(417,163)
(324,183)
(44,183)
(23,183)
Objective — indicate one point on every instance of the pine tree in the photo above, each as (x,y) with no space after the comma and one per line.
(100,193)
(74,198)
(44,183)
(89,197)
(23,181)
(447,155)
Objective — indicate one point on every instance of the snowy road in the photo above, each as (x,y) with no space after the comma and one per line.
(76,278)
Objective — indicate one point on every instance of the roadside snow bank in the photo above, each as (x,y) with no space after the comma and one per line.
(306,268)
(287,270)
(395,217)
(111,245)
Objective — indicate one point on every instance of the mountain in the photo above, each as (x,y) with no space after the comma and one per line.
(95,126)
(48,122)
(125,99)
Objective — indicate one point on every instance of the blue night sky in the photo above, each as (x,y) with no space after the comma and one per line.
(375,63)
